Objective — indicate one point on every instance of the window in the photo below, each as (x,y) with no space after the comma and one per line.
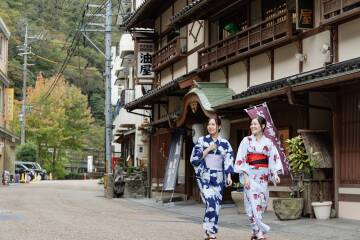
(228,23)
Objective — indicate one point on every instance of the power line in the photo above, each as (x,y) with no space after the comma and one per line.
(71,50)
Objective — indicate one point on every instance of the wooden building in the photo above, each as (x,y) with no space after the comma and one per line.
(301,57)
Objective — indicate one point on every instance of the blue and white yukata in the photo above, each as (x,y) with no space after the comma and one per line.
(261,161)
(211,173)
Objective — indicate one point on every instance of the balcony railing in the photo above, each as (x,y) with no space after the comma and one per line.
(170,53)
(247,41)
(336,9)
(127,96)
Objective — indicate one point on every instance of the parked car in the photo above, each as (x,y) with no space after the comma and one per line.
(21,169)
(37,169)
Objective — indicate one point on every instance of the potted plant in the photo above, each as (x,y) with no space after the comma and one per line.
(237,196)
(302,165)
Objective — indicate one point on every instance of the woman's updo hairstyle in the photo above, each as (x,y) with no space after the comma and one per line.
(262,122)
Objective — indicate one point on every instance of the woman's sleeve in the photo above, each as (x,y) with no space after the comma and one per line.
(196,158)
(275,164)
(229,160)
(241,166)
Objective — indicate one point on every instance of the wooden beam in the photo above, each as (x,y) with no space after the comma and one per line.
(336,151)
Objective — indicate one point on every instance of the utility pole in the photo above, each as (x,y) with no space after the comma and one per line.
(23,108)
(108,110)
(26,50)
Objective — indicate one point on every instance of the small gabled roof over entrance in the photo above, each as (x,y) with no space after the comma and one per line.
(207,96)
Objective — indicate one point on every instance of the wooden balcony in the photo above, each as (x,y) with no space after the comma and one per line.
(255,38)
(170,53)
(334,10)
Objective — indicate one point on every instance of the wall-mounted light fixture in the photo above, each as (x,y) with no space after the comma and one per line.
(301,57)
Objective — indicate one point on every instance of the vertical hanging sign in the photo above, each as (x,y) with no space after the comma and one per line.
(144,72)
(9,104)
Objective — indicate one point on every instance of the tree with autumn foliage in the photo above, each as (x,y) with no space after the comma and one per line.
(57,122)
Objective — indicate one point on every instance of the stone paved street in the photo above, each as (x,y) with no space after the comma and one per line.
(77,210)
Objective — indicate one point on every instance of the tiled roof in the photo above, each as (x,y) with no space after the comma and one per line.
(149,8)
(330,71)
(212,94)
(158,92)
(187,9)
(199,10)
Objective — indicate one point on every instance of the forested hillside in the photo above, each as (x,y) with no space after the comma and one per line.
(57,20)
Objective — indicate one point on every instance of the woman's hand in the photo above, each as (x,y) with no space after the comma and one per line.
(246,181)
(229,180)
(212,147)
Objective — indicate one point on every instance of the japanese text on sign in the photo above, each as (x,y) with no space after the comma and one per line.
(145,59)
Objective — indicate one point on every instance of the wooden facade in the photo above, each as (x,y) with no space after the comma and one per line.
(350,137)
(170,53)
(255,38)
(260,47)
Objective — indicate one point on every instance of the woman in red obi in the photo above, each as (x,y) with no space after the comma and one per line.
(257,163)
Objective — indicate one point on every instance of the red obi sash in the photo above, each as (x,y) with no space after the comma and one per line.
(258,160)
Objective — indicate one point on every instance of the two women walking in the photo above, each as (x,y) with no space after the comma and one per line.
(257,163)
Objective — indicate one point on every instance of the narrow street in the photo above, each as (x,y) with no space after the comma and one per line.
(78,210)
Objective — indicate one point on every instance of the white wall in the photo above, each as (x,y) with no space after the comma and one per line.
(260,69)
(218,76)
(200,39)
(312,48)
(166,76)
(349,39)
(180,68)
(349,210)
(238,77)
(285,63)
(116,61)
(192,61)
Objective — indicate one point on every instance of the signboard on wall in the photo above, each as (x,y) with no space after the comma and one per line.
(9,104)
(173,160)
(90,164)
(304,14)
(144,72)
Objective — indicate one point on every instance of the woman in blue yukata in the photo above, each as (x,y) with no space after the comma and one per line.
(257,162)
(212,158)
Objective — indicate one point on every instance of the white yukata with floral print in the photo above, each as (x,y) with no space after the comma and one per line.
(257,195)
